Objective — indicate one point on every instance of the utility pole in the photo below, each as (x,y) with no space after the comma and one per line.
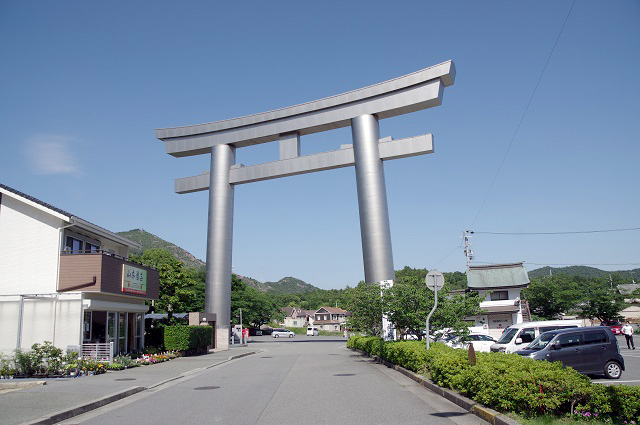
(466,235)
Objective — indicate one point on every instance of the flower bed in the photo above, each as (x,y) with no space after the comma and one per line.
(47,361)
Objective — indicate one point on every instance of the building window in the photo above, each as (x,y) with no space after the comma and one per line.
(73,245)
(91,248)
(499,295)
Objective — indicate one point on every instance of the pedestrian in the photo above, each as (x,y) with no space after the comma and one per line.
(627,330)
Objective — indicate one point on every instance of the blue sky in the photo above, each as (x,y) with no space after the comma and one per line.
(85,83)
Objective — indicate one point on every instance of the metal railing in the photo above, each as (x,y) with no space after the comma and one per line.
(102,352)
(95,251)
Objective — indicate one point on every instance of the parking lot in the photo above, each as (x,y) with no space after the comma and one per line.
(631,375)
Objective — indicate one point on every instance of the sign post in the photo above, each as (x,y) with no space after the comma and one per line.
(435,282)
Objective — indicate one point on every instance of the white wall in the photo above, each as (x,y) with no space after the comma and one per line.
(38,322)
(29,239)
(512,294)
(8,326)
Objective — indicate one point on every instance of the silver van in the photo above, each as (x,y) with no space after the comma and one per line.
(518,336)
(312,331)
(590,350)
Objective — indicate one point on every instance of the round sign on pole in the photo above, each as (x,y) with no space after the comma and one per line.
(434,280)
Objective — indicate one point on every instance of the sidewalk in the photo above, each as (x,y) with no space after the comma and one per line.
(60,399)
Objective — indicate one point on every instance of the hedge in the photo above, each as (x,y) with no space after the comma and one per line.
(187,339)
(510,382)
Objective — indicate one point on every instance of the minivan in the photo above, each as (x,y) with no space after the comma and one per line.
(589,350)
(516,337)
(311,331)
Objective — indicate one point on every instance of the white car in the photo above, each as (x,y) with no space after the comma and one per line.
(277,333)
(480,342)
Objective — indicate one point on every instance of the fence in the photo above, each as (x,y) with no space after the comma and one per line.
(98,352)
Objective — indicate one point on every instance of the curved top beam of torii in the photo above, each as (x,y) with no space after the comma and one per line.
(409,93)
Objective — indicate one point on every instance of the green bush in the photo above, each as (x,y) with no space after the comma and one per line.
(26,362)
(509,382)
(187,339)
(408,354)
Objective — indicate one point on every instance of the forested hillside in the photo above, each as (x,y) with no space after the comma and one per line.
(584,271)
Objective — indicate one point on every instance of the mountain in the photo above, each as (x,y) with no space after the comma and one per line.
(583,271)
(286,285)
(148,241)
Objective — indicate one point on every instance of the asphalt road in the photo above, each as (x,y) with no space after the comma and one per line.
(302,380)
(631,374)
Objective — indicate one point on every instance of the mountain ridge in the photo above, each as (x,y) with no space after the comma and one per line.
(286,285)
(583,271)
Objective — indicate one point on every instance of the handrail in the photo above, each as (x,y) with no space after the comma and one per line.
(98,251)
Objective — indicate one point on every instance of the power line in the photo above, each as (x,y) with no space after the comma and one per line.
(569,264)
(560,233)
(450,252)
(523,114)
(596,264)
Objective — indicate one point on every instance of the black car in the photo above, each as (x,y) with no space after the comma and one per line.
(590,350)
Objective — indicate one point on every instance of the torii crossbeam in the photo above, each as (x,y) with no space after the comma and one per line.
(361,109)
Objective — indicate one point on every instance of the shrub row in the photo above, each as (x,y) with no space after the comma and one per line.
(509,382)
(187,339)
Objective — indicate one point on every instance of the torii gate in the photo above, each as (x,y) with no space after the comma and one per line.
(361,109)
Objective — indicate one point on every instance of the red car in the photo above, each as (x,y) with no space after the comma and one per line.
(616,327)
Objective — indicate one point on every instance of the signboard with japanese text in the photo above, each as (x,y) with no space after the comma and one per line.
(134,280)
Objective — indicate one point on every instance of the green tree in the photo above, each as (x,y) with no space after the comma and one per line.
(258,308)
(409,301)
(365,306)
(601,301)
(180,289)
(550,296)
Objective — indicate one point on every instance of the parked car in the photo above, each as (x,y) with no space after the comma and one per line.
(590,350)
(615,326)
(516,337)
(311,331)
(277,333)
(480,342)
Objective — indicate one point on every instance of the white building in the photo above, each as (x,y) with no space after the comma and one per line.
(66,280)
(499,287)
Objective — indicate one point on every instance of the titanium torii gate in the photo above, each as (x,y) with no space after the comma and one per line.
(361,109)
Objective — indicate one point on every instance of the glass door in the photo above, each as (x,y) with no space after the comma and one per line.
(122,333)
(86,327)
(111,330)
(139,329)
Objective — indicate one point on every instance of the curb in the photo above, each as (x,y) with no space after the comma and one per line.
(471,406)
(20,385)
(84,408)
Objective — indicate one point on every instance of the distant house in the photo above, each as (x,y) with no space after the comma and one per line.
(296,317)
(499,287)
(330,318)
(325,318)
(632,312)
